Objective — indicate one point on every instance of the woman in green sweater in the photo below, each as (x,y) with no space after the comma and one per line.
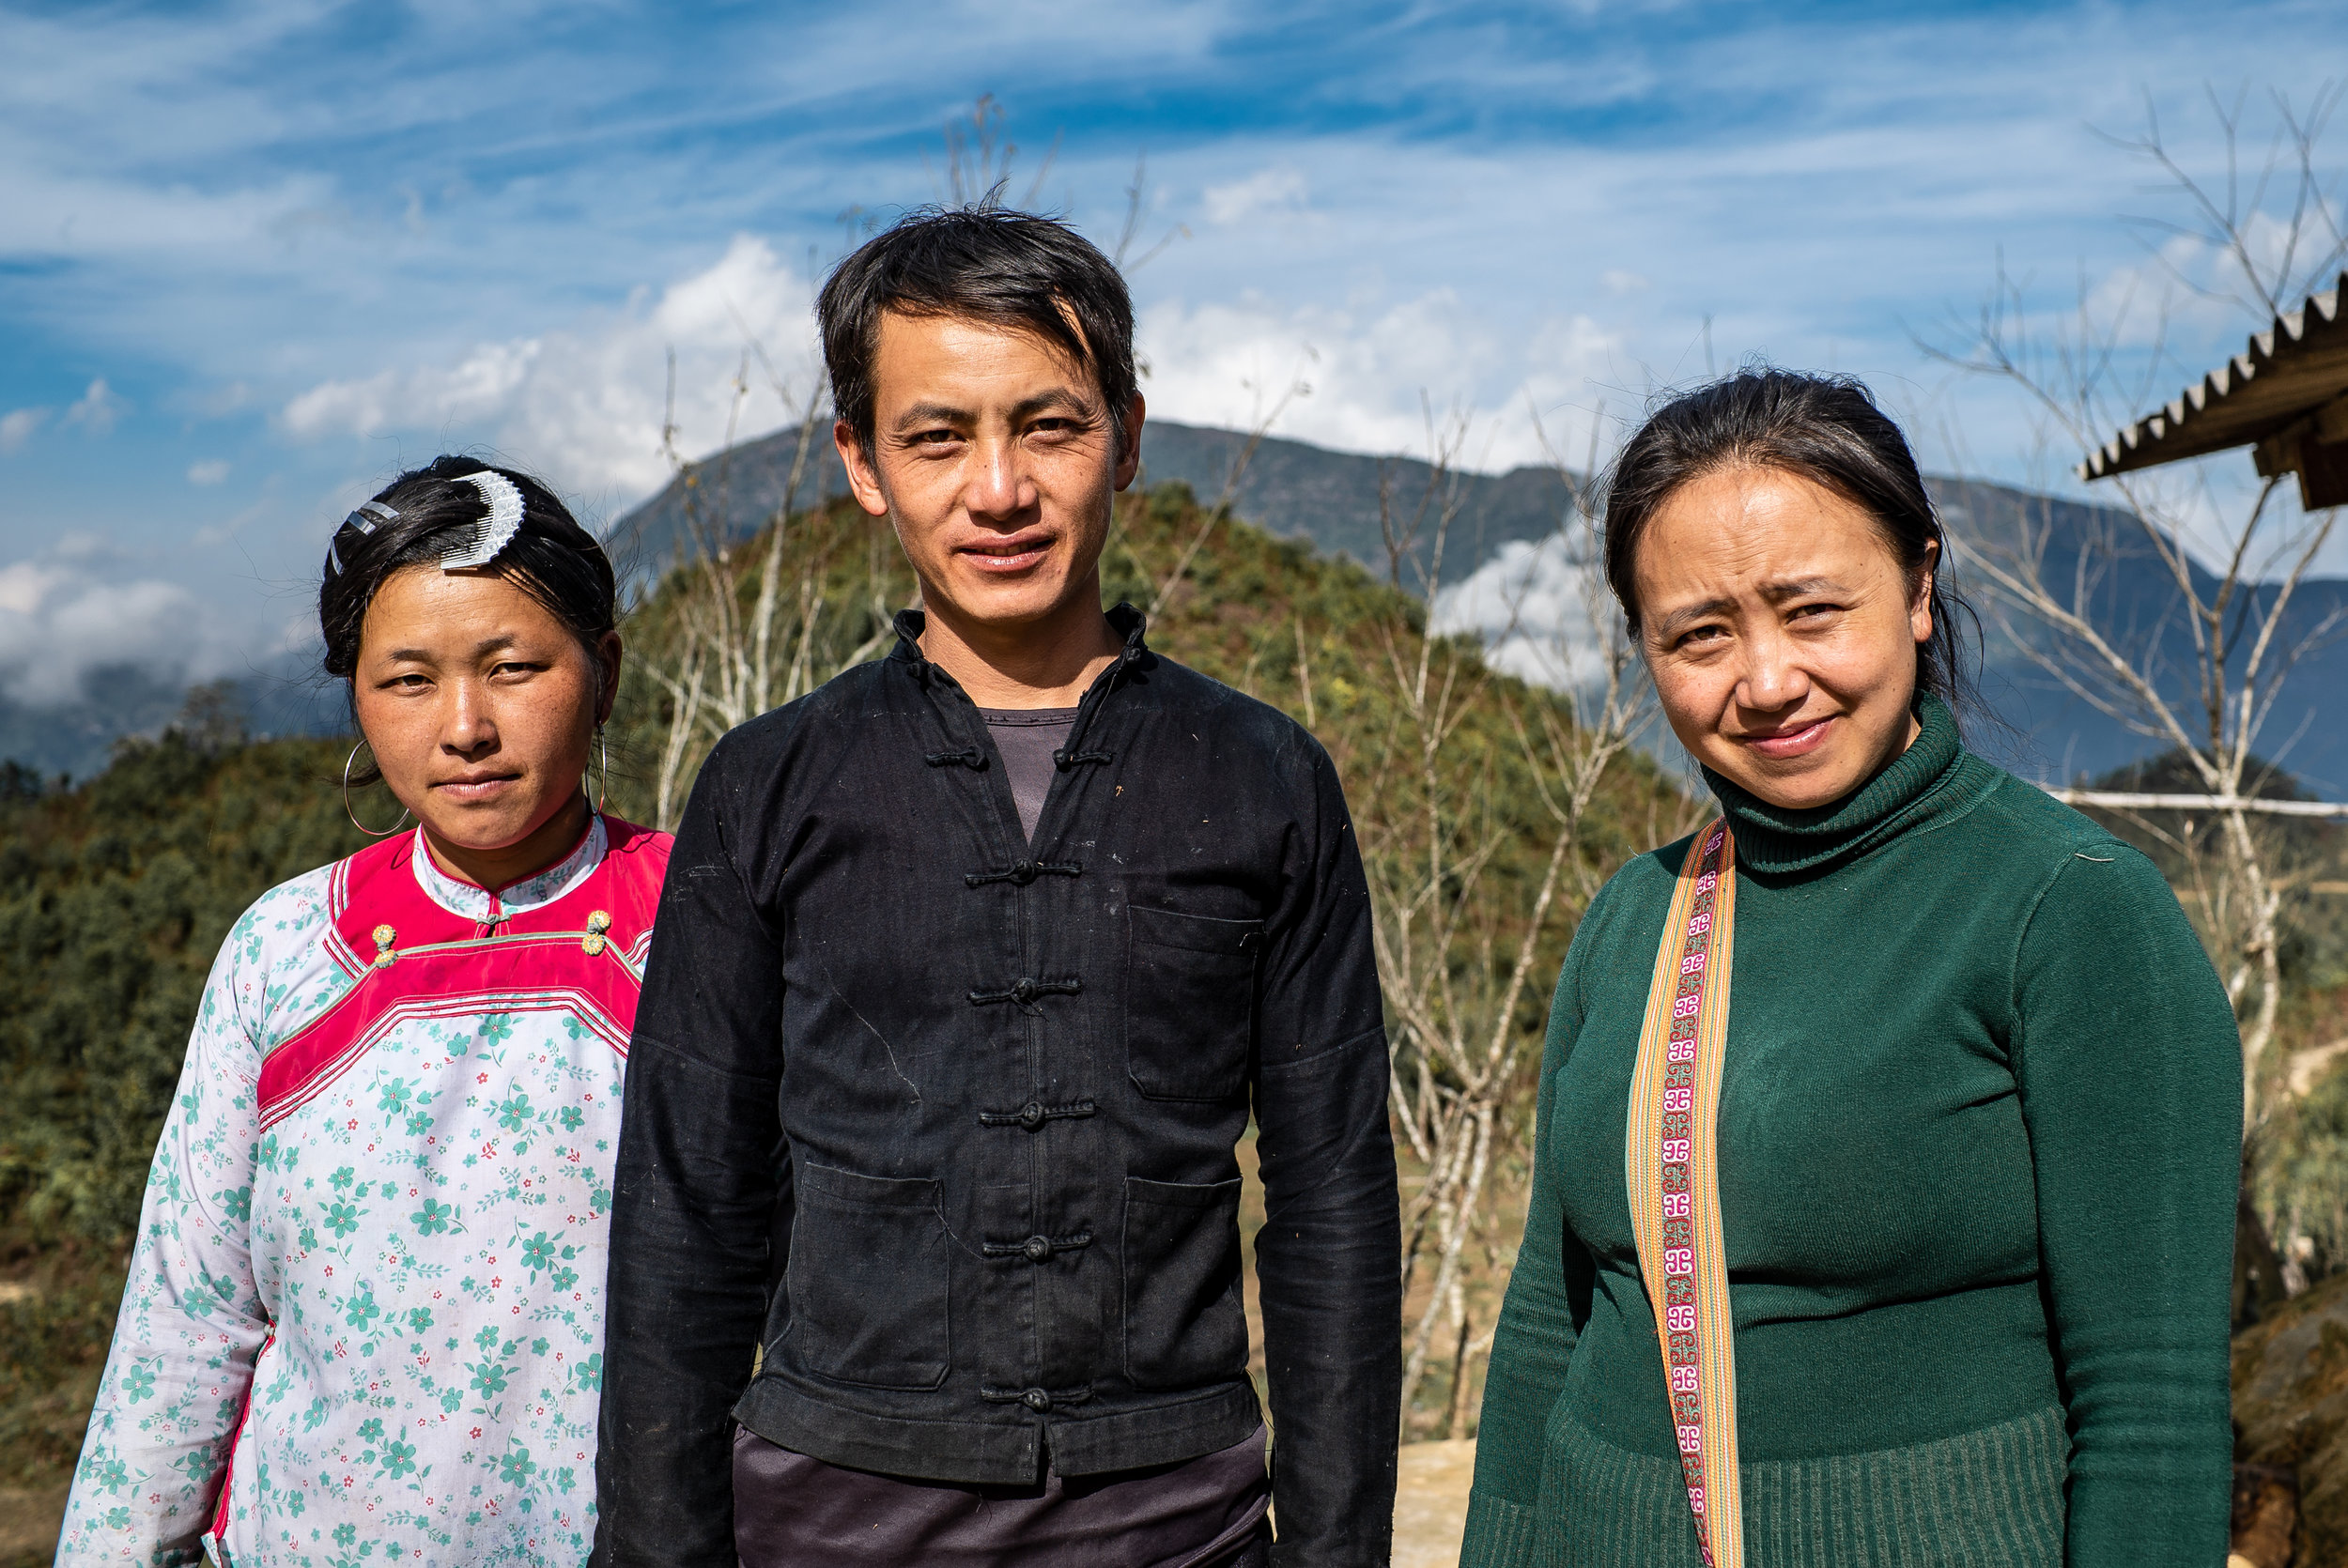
(1938,1222)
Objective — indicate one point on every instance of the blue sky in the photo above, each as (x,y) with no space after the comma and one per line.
(254,258)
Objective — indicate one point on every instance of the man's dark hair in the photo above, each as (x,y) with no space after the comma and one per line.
(1824,428)
(990,265)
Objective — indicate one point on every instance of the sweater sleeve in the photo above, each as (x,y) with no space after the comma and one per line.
(695,1196)
(2129,1068)
(1533,1343)
(191,1319)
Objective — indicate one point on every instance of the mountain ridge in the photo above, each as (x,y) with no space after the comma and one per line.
(1335,499)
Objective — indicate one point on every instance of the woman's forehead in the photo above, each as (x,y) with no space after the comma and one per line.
(423,608)
(1750,529)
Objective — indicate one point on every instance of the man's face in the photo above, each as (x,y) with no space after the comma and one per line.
(996,457)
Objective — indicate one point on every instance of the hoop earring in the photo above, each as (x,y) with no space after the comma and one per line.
(370,832)
(604,793)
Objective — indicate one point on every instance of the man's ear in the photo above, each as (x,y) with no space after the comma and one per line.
(1129,453)
(863,475)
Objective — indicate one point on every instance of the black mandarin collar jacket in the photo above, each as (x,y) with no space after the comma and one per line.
(939,1125)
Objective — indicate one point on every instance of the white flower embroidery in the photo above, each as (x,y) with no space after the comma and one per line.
(426,1238)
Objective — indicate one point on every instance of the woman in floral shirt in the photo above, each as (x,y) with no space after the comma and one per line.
(364,1317)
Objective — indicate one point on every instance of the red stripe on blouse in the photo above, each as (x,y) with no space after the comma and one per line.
(443,964)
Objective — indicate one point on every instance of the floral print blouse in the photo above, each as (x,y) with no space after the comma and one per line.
(364,1316)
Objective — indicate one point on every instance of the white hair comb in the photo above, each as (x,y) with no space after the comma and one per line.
(480,547)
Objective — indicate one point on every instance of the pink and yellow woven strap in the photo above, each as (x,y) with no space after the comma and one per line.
(1673,1167)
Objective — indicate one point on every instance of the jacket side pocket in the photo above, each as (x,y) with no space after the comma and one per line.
(867,1277)
(1184,1325)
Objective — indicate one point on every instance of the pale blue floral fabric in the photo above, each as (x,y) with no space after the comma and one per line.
(415,1256)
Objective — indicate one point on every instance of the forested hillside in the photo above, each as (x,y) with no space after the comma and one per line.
(1488,812)
(113,898)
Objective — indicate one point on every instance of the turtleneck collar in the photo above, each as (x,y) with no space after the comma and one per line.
(1774,839)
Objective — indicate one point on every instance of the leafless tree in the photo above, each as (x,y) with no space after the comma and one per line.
(745,635)
(2279,226)
(1461,908)
(978,160)
(1167,587)
(1456,942)
(2260,236)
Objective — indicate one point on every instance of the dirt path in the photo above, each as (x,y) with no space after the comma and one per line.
(28,1524)
(1430,1503)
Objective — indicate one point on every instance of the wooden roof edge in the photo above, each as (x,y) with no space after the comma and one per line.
(2180,429)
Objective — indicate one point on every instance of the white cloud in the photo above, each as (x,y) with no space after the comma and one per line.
(62,618)
(98,410)
(16,426)
(1542,608)
(1374,374)
(447,265)
(1272,193)
(211,471)
(477,388)
(585,405)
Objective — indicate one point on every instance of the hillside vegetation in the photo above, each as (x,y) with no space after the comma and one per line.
(113,898)
(1488,817)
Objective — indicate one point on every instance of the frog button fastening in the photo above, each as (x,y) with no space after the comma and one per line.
(597,923)
(384,937)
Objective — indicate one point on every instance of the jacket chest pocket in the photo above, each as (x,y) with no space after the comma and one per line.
(868,1280)
(1190,1003)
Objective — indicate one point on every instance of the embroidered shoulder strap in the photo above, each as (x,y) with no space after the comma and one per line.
(1674,1172)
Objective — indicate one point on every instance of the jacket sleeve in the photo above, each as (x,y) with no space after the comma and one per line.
(2129,1067)
(694,1200)
(1328,1259)
(1533,1344)
(191,1321)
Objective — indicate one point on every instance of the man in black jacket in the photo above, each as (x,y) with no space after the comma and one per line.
(969,969)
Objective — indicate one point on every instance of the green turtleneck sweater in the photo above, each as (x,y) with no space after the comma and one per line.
(1978,1134)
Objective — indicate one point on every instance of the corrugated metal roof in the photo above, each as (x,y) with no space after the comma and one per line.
(2289,371)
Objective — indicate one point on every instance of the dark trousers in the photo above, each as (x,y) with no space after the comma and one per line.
(791,1511)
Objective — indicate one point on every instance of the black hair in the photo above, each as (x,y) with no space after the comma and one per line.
(426,512)
(987,264)
(1823,428)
